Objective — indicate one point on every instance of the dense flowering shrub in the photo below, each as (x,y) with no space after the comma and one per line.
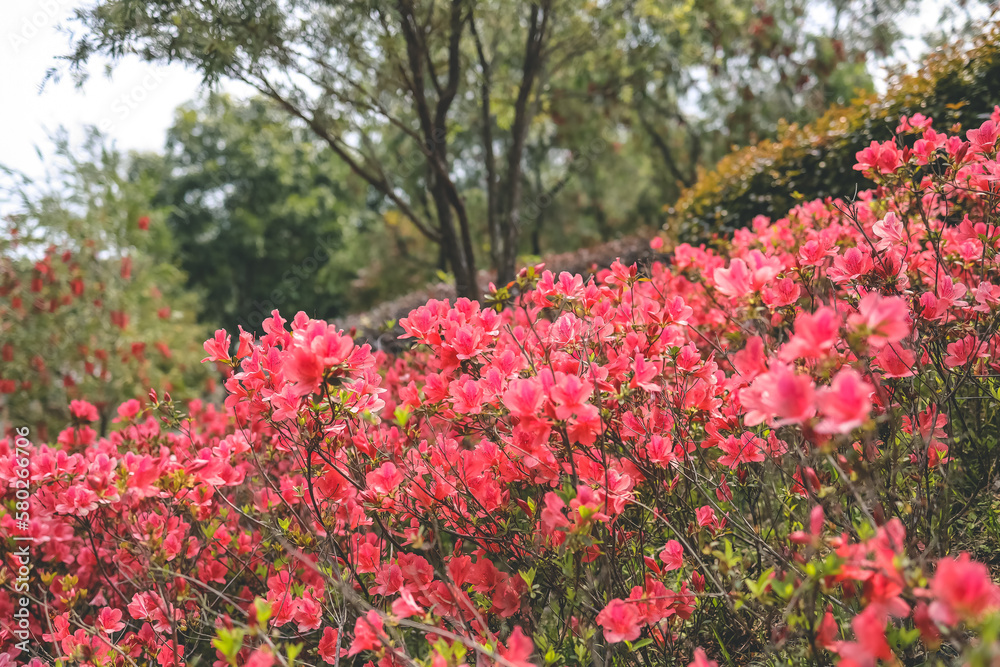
(783,455)
(89,306)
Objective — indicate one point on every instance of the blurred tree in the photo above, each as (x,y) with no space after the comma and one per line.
(466,115)
(258,209)
(90,305)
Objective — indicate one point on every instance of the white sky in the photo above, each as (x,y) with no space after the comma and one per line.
(135,107)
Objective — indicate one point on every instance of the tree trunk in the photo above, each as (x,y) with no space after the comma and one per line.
(463,265)
(510,222)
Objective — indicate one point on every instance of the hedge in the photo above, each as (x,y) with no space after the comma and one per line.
(958,84)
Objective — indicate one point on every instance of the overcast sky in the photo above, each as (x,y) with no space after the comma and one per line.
(134,108)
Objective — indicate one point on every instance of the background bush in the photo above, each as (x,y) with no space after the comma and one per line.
(957,84)
(90,303)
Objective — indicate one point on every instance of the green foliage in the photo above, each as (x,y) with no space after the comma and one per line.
(956,85)
(494,129)
(263,215)
(90,305)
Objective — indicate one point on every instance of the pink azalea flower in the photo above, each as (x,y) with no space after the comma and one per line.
(701,659)
(961,351)
(672,556)
(984,139)
(881,158)
(367,631)
(328,646)
(748,448)
(895,361)
(851,265)
(735,281)
(890,231)
(784,293)
(886,319)
(845,404)
(705,516)
(261,657)
(524,397)
(781,394)
(77,500)
(385,479)
(128,409)
(110,620)
(83,411)
(621,621)
(815,335)
(963,591)
(218,347)
(519,649)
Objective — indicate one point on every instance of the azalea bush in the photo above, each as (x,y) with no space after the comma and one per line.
(781,454)
(89,306)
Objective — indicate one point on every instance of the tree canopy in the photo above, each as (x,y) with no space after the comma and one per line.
(257,208)
(468,118)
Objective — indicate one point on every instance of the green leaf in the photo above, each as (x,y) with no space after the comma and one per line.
(229,643)
(293,652)
(264,611)
(645,641)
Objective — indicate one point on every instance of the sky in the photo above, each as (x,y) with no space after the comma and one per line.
(134,107)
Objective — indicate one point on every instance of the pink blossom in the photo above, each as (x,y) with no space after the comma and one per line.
(261,657)
(987,297)
(885,319)
(701,659)
(734,281)
(83,411)
(784,293)
(853,264)
(77,500)
(881,158)
(621,621)
(845,404)
(705,516)
(524,397)
(308,614)
(519,649)
(129,409)
(748,448)
(963,591)
(815,335)
(962,350)
(328,646)
(368,630)
(779,394)
(890,231)
(814,251)
(110,620)
(570,395)
(672,556)
(218,347)
(895,361)
(405,605)
(385,479)
(984,139)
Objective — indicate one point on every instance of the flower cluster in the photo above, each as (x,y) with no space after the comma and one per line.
(83,318)
(782,449)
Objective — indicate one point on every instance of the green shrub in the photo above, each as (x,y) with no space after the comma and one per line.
(955,85)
